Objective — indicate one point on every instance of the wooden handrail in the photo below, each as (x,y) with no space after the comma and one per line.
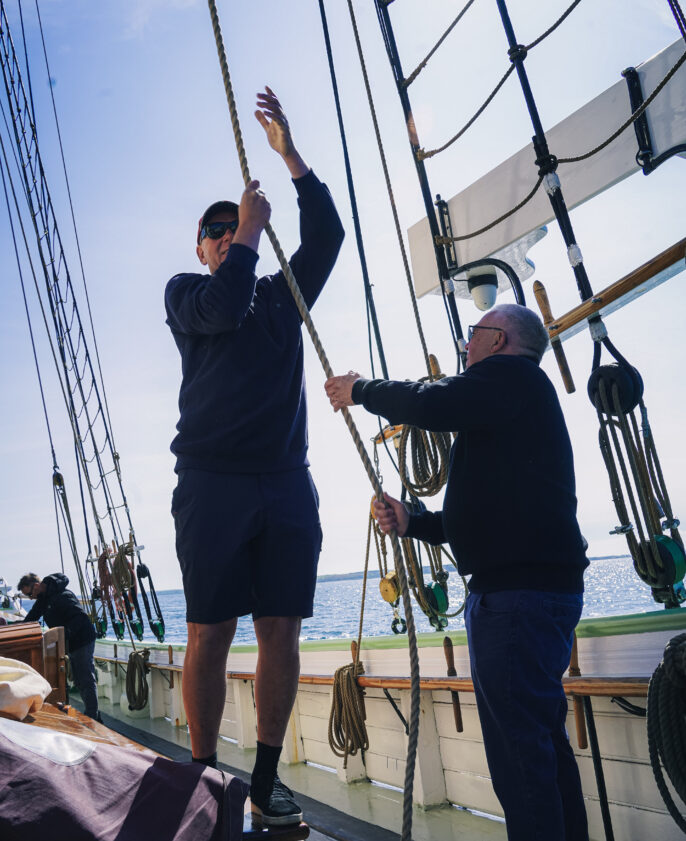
(599,687)
(615,292)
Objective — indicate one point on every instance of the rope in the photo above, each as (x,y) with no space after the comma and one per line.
(430,453)
(666,714)
(632,119)
(347,730)
(422,64)
(136,684)
(307,321)
(422,155)
(635,471)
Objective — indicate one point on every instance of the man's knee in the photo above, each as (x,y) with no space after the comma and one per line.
(216,635)
(282,632)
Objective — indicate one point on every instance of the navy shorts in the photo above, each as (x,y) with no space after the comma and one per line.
(247,543)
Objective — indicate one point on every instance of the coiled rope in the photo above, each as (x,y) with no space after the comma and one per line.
(136,683)
(347,729)
(666,722)
(307,321)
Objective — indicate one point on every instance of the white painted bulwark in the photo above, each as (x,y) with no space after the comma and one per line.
(506,185)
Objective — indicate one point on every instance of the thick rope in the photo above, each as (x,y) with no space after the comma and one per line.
(307,321)
(666,714)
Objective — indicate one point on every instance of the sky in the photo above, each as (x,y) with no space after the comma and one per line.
(148,145)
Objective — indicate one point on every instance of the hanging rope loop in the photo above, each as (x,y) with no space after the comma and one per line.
(136,683)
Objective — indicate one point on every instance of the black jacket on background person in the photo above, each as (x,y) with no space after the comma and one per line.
(59,606)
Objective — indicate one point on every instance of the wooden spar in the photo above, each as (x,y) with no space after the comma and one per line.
(665,265)
(555,344)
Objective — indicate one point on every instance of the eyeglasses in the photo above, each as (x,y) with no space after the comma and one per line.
(473,327)
(216,230)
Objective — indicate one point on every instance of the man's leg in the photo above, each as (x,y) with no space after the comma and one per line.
(276,683)
(519,645)
(83,672)
(204,682)
(276,680)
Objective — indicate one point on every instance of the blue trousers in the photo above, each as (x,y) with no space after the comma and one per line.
(520,642)
(83,672)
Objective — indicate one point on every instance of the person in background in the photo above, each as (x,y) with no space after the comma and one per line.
(59,606)
(245,507)
(509,515)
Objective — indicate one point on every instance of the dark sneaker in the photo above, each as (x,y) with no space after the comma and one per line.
(273,803)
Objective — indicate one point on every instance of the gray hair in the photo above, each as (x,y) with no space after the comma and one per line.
(528,334)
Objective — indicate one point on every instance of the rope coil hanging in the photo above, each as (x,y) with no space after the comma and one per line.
(639,491)
(307,321)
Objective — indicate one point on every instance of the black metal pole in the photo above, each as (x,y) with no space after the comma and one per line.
(547,163)
(444,277)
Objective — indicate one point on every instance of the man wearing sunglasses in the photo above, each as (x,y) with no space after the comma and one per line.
(245,508)
(509,515)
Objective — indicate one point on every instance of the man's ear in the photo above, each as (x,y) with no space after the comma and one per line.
(201,254)
(500,341)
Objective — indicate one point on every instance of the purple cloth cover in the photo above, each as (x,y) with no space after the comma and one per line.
(116,795)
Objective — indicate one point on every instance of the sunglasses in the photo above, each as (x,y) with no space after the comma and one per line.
(216,230)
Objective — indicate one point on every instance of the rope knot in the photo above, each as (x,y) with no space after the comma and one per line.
(517,53)
(546,164)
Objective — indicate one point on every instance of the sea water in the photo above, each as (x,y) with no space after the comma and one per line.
(612,588)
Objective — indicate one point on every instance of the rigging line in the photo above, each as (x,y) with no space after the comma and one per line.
(422,155)
(446,240)
(26,59)
(632,119)
(28,315)
(369,298)
(352,428)
(76,235)
(57,314)
(389,187)
(422,64)
(58,369)
(59,533)
(678,16)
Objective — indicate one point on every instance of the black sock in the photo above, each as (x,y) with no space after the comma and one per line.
(266,761)
(210,761)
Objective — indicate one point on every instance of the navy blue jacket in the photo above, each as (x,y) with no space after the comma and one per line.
(242,398)
(509,512)
(59,606)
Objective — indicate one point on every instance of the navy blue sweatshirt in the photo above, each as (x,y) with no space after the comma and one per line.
(509,512)
(242,398)
(59,606)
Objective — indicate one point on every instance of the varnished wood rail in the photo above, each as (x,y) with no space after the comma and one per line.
(598,687)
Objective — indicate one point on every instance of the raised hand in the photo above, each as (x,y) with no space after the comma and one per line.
(273,120)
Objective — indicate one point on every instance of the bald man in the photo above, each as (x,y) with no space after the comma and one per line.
(509,515)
